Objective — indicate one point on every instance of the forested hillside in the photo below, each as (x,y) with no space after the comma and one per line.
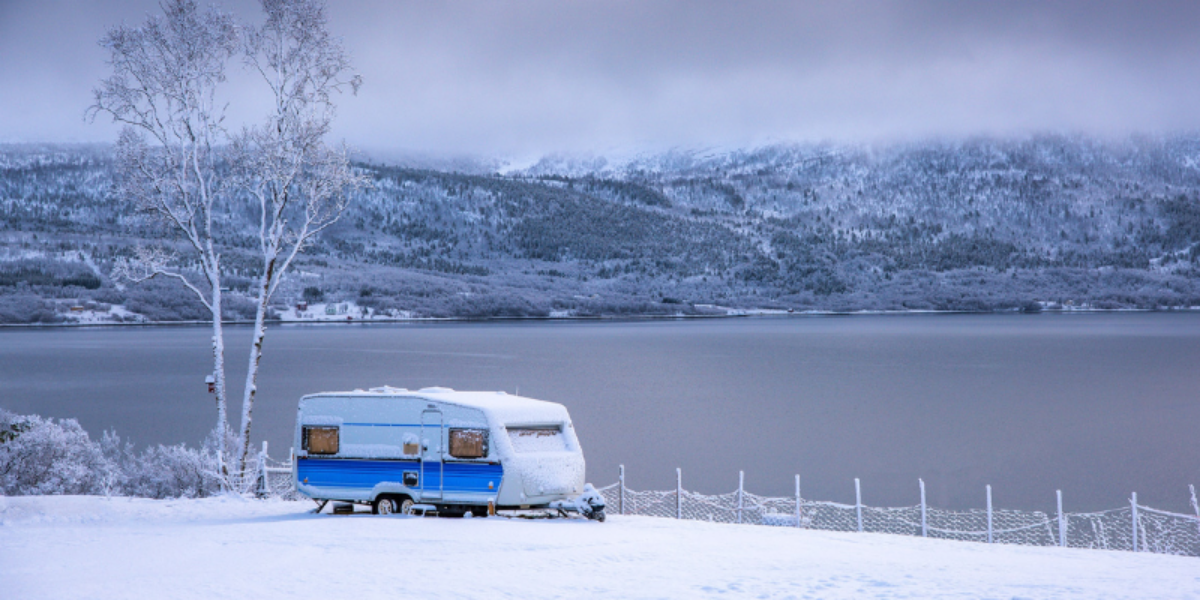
(975,225)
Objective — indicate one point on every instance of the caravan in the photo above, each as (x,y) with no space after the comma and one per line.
(440,450)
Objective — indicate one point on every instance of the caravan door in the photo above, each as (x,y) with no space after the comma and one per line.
(432,454)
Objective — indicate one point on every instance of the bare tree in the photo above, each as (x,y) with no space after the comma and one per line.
(300,185)
(178,161)
(165,75)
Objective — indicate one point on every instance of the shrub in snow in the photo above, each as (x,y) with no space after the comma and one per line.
(41,456)
(171,472)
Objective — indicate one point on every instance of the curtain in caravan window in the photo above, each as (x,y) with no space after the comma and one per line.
(468,443)
(320,440)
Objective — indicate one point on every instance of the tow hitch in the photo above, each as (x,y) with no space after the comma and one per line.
(590,504)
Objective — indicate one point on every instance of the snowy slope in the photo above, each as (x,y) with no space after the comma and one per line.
(90,547)
(974,225)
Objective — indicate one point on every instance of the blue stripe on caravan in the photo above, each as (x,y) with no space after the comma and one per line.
(365,474)
(386,424)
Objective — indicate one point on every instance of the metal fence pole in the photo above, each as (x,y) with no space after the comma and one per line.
(678,493)
(1062,523)
(924,527)
(798,501)
(1133,505)
(1195,506)
(621,498)
(858,503)
(989,499)
(741,487)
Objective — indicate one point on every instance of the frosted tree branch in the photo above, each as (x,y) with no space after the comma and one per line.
(149,263)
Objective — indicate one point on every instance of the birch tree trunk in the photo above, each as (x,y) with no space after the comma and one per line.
(256,352)
(222,429)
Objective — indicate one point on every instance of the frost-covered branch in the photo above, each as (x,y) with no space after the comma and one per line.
(149,263)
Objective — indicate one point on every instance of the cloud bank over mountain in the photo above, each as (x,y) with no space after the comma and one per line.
(536,77)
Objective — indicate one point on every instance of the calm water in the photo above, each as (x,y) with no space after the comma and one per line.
(1097,405)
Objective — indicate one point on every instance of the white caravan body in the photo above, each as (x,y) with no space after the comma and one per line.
(436,446)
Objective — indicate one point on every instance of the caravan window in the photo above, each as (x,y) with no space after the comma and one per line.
(320,440)
(468,443)
(543,438)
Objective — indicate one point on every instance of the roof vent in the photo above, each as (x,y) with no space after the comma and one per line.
(387,389)
(434,390)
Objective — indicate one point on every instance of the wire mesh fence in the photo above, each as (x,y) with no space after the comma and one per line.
(1132,528)
(1135,527)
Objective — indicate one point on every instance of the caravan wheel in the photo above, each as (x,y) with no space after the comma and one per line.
(384,505)
(406,505)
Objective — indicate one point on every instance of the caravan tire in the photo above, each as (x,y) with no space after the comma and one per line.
(384,505)
(406,505)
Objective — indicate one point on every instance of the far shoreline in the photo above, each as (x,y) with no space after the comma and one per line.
(739,314)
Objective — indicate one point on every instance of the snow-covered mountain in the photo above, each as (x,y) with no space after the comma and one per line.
(968,225)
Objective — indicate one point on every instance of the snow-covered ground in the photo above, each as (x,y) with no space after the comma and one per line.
(92,547)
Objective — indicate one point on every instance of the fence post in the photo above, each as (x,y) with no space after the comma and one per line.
(621,498)
(1133,505)
(261,492)
(858,503)
(1195,505)
(1062,523)
(798,501)
(924,527)
(741,487)
(989,499)
(678,493)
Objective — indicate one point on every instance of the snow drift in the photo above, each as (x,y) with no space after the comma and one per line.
(225,547)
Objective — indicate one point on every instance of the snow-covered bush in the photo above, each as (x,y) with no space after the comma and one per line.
(44,456)
(170,472)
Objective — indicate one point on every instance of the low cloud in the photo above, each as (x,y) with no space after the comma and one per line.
(527,77)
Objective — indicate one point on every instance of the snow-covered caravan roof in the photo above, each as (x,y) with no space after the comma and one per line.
(500,407)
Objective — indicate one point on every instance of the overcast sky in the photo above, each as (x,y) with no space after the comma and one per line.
(492,77)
